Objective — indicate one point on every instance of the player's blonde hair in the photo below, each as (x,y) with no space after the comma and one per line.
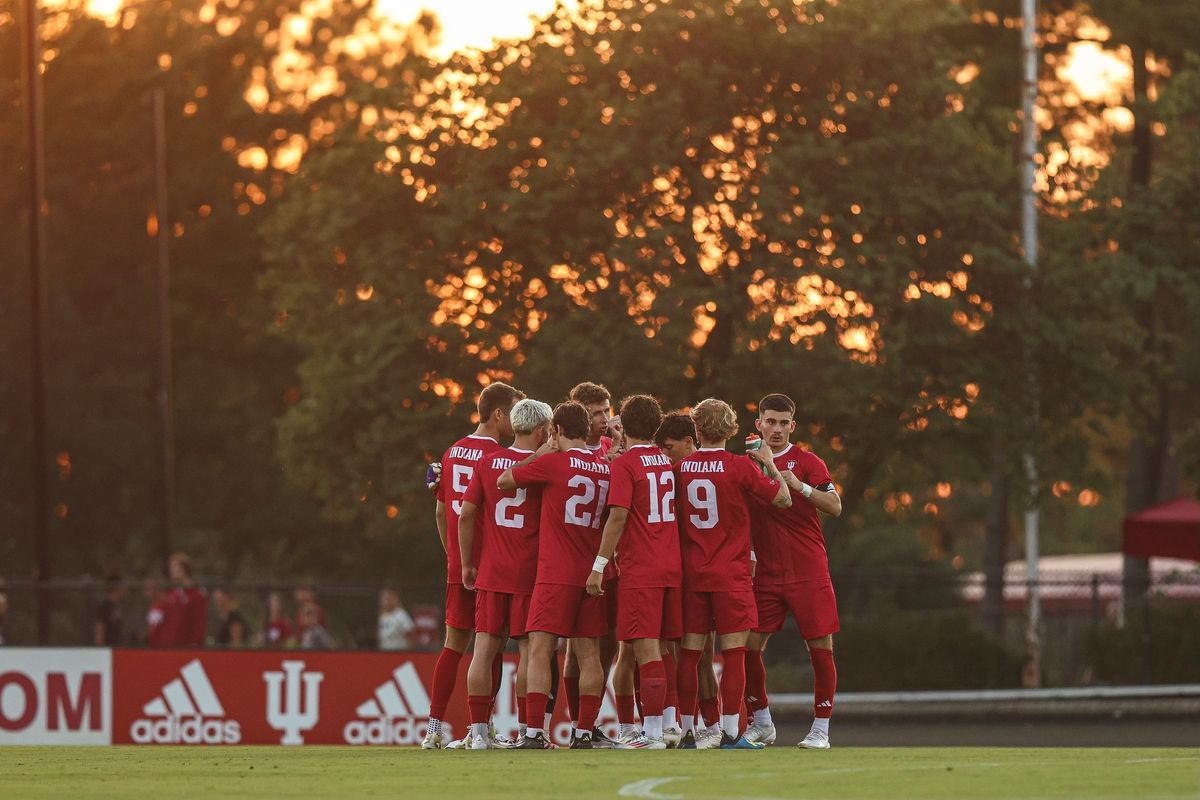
(715,419)
(529,415)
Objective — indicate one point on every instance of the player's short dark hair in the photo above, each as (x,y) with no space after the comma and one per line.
(715,419)
(677,425)
(589,393)
(497,395)
(640,416)
(184,561)
(777,402)
(573,418)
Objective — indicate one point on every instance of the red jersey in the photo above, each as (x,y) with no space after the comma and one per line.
(603,447)
(574,490)
(643,483)
(185,618)
(788,542)
(715,491)
(458,467)
(508,561)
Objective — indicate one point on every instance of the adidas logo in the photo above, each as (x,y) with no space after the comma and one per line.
(825,704)
(397,713)
(186,711)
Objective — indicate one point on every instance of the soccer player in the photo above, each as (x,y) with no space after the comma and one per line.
(596,398)
(574,483)
(715,489)
(503,581)
(458,466)
(793,573)
(641,521)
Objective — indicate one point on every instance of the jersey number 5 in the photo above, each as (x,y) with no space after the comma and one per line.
(460,478)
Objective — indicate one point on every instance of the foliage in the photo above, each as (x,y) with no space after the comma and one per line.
(1161,645)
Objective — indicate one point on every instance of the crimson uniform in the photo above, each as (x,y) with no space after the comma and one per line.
(793,567)
(458,467)
(574,489)
(714,487)
(508,558)
(648,555)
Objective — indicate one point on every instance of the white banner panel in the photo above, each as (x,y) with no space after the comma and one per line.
(55,696)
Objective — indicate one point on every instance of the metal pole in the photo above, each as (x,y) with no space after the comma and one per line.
(37,305)
(166,404)
(1029,238)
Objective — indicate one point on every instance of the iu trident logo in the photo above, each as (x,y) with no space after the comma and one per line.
(285,712)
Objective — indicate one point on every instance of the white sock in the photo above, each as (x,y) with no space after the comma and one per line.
(532,732)
(714,728)
(821,724)
(730,724)
(479,729)
(547,725)
(624,729)
(653,727)
(689,723)
(435,725)
(521,729)
(581,732)
(762,717)
(670,717)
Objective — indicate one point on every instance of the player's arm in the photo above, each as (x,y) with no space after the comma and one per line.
(823,497)
(613,528)
(440,516)
(466,540)
(507,482)
(783,497)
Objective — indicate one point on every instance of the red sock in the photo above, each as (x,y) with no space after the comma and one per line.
(637,692)
(625,714)
(571,684)
(535,709)
(687,681)
(589,708)
(480,706)
(445,675)
(733,678)
(521,709)
(824,681)
(497,671)
(654,688)
(756,682)
(710,708)
(669,665)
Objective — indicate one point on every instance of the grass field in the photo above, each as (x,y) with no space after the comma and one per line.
(164,773)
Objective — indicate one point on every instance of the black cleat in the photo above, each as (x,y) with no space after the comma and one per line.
(582,741)
(600,741)
(528,742)
(688,742)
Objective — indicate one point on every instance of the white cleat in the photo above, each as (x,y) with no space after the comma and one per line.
(497,742)
(814,741)
(672,736)
(709,739)
(763,734)
(642,742)
(435,740)
(473,742)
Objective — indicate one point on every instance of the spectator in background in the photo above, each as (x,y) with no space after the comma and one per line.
(306,595)
(108,630)
(156,615)
(186,622)
(277,633)
(313,635)
(394,622)
(232,632)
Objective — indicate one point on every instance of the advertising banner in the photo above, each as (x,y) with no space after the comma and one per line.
(55,696)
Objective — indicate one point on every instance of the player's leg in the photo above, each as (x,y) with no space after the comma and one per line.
(708,735)
(815,608)
(672,733)
(653,678)
(690,652)
(735,614)
(591,689)
(622,683)
(773,608)
(522,684)
(570,681)
(480,682)
(460,620)
(542,646)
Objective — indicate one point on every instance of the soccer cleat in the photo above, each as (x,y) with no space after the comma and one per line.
(497,742)
(435,739)
(459,744)
(537,742)
(763,734)
(582,741)
(672,736)
(688,742)
(602,742)
(643,742)
(815,741)
(740,743)
(709,739)
(473,742)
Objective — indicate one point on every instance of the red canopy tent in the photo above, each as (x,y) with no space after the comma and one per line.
(1171,529)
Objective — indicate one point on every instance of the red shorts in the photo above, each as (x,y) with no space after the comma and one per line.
(567,611)
(499,613)
(460,607)
(649,614)
(812,603)
(723,612)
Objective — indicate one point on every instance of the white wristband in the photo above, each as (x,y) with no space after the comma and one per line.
(805,489)
(599,564)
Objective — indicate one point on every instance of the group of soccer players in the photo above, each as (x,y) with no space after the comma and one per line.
(640,540)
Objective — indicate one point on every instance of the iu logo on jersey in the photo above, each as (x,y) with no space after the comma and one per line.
(397,712)
(186,711)
(286,710)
